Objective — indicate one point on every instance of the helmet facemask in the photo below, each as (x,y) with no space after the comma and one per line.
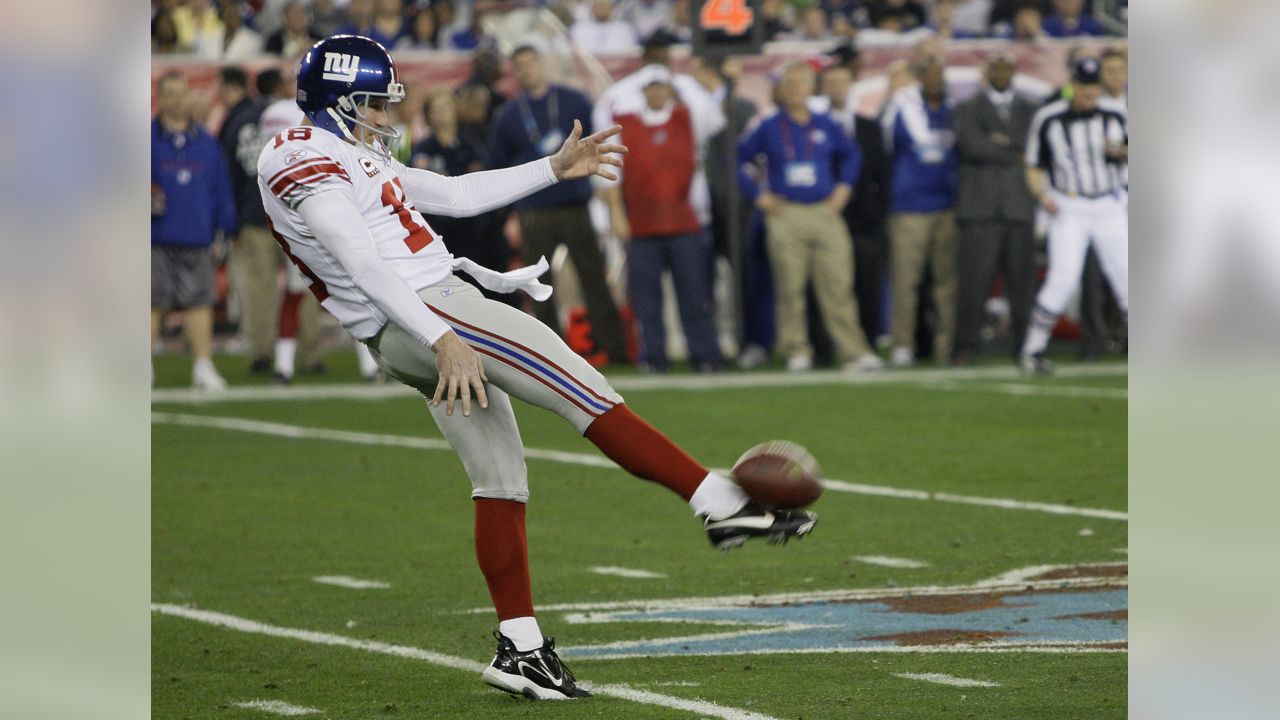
(351,112)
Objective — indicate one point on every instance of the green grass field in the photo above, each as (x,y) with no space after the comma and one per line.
(243,519)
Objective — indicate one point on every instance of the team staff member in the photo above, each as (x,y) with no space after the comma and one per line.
(652,209)
(191,201)
(531,125)
(812,166)
(1077,157)
(350,216)
(922,194)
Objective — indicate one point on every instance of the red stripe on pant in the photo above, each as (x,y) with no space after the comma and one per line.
(513,343)
(503,359)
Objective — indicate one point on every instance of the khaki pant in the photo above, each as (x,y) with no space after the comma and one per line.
(917,239)
(256,260)
(809,241)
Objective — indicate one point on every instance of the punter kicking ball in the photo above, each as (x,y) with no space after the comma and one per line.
(779,474)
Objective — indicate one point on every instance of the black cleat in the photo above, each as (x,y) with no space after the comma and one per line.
(537,674)
(755,520)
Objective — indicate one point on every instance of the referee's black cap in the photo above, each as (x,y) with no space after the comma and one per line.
(1086,71)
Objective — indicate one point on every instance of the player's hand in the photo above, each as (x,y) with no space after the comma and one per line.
(460,371)
(769,203)
(1049,204)
(583,156)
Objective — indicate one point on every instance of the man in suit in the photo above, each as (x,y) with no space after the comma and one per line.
(994,208)
(719,76)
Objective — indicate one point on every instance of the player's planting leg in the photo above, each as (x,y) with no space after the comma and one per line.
(489,446)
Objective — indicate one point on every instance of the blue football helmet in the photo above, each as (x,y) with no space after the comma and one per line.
(337,77)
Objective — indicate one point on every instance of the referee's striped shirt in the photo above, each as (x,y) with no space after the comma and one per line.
(1072,146)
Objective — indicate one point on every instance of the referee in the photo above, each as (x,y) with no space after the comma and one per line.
(1077,157)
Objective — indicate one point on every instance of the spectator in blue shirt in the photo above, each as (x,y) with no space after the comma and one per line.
(539,117)
(811,165)
(191,202)
(920,140)
(1069,20)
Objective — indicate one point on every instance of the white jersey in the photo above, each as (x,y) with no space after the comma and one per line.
(301,161)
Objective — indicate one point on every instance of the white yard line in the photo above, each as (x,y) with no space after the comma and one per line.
(941,679)
(350,582)
(625,572)
(1063,648)
(278,707)
(361,438)
(939,379)
(700,707)
(892,562)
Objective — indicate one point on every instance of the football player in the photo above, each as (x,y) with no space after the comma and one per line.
(347,214)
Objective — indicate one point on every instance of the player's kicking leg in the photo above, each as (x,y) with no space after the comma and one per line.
(529,361)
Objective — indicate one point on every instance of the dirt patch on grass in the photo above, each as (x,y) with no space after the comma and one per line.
(1122,614)
(944,637)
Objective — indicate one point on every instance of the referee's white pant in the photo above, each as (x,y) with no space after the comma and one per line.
(1080,222)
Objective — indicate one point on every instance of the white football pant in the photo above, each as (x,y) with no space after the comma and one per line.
(1079,223)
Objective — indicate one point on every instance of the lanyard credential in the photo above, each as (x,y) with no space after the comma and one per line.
(531,123)
(788,147)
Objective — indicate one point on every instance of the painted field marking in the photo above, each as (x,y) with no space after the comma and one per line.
(994,648)
(624,692)
(1012,581)
(350,582)
(278,707)
(937,379)
(942,679)
(361,438)
(625,572)
(892,562)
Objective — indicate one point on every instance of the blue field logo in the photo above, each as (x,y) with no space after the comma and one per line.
(1078,609)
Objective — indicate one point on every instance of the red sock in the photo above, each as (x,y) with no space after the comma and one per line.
(289,310)
(644,452)
(503,554)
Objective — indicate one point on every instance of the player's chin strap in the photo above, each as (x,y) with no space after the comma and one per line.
(348,113)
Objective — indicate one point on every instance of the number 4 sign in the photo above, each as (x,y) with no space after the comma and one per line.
(731,16)
(727,27)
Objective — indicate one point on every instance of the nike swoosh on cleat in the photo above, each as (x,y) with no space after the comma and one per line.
(544,671)
(760,522)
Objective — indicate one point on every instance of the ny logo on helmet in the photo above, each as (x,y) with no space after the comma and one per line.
(341,67)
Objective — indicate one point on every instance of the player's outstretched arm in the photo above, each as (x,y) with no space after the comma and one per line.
(475,193)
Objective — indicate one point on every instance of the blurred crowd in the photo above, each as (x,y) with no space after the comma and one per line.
(841,237)
(233,30)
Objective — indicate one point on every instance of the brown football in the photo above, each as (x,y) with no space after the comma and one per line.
(779,474)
